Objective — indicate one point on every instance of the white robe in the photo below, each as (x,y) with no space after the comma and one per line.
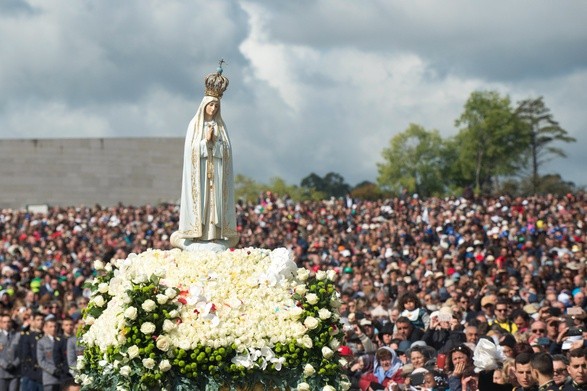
(203,218)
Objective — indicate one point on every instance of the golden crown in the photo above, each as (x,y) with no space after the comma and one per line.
(215,83)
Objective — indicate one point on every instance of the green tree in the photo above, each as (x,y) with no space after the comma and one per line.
(544,132)
(491,141)
(367,191)
(331,185)
(246,188)
(278,186)
(414,161)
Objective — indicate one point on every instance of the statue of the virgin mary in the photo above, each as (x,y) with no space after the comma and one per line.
(207,217)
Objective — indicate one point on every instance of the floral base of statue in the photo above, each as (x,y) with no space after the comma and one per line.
(202,320)
(197,245)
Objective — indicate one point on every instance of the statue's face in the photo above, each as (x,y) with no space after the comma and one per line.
(211,109)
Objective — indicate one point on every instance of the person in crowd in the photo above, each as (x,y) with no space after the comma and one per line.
(560,374)
(543,372)
(457,255)
(459,360)
(9,362)
(508,343)
(410,307)
(439,335)
(577,369)
(45,349)
(501,317)
(488,308)
(74,348)
(522,320)
(60,348)
(406,330)
(357,368)
(418,356)
(387,369)
(523,371)
(32,376)
(385,335)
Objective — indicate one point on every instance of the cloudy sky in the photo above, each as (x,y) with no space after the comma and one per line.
(315,85)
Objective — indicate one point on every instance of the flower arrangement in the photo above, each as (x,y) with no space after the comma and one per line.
(178,320)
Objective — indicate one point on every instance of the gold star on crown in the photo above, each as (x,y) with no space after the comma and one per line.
(215,83)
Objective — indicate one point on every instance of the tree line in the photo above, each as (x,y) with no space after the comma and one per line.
(499,148)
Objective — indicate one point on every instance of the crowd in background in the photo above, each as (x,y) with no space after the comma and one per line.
(455,293)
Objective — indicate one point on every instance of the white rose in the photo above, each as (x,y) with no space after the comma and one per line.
(99,301)
(324,314)
(121,339)
(90,320)
(164,365)
(303,387)
(173,314)
(331,274)
(301,289)
(334,344)
(149,305)
(87,380)
(130,313)
(328,388)
(108,267)
(170,292)
(140,279)
(320,275)
(344,385)
(296,312)
(168,325)
(309,370)
(147,328)
(133,351)
(327,352)
(306,342)
(311,323)
(148,363)
(103,287)
(311,298)
(162,299)
(125,370)
(98,265)
(303,274)
(163,343)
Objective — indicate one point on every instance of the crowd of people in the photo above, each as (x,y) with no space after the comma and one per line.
(456,293)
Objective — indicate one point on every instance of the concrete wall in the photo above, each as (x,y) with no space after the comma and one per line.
(134,171)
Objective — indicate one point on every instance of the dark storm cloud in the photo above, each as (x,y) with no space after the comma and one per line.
(15,7)
(92,54)
(499,40)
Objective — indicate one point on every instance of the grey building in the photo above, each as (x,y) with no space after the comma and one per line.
(63,172)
